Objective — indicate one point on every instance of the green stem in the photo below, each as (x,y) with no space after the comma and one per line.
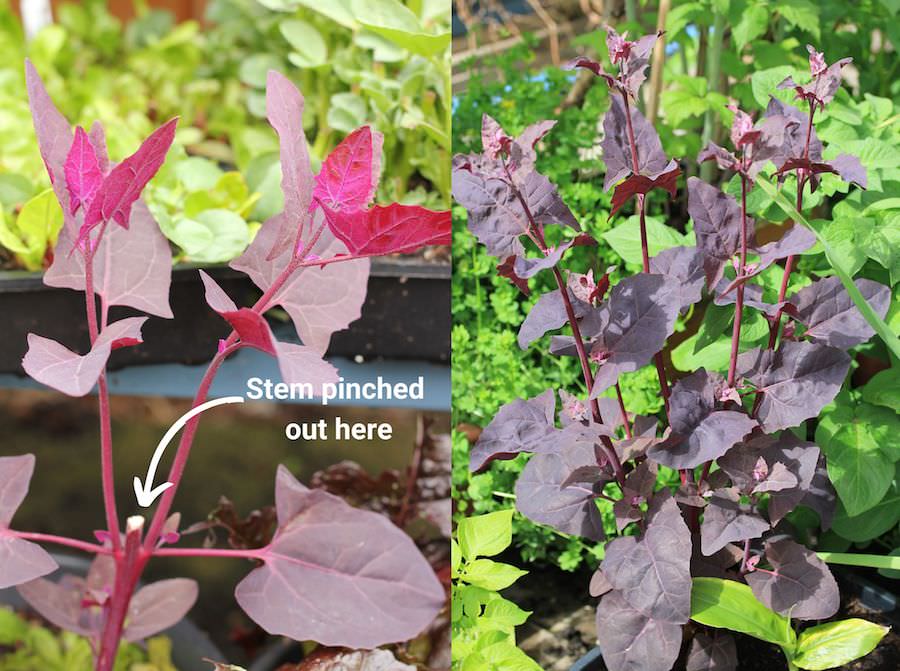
(870,561)
(713,69)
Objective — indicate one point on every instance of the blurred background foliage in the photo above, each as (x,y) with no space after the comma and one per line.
(505,64)
(380,62)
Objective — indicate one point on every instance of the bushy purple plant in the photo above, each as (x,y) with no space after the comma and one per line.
(332,573)
(721,522)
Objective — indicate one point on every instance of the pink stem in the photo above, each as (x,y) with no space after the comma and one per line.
(106,448)
(129,567)
(207,552)
(61,540)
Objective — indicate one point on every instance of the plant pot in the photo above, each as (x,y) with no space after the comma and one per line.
(189,644)
(592,661)
(406,316)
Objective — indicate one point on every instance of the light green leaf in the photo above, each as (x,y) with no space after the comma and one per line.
(801,14)
(832,644)
(213,236)
(12,628)
(860,469)
(310,50)
(485,535)
(763,83)
(505,656)
(882,329)
(393,20)
(197,173)
(731,605)
(491,575)
(347,112)
(877,520)
(883,389)
(504,613)
(625,238)
(455,558)
(14,189)
(753,23)
(888,563)
(679,17)
(35,229)
(255,68)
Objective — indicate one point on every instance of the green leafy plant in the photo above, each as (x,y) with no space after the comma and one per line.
(731,605)
(483,622)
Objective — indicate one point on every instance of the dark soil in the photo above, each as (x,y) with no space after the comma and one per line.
(561,629)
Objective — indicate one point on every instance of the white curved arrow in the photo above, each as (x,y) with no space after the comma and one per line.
(145,494)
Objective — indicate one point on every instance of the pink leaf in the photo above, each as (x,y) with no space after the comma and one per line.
(389,230)
(123,186)
(284,109)
(339,575)
(97,137)
(82,170)
(298,364)
(20,560)
(54,136)
(74,374)
(320,301)
(132,268)
(159,606)
(349,175)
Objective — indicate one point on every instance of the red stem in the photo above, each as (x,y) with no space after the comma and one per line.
(622,411)
(739,303)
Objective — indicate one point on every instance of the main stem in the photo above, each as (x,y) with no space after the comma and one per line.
(106,449)
(739,302)
(645,247)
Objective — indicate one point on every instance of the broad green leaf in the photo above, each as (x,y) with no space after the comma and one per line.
(753,23)
(393,20)
(310,50)
(485,535)
(255,68)
(455,558)
(679,17)
(12,628)
(34,230)
(491,575)
(883,389)
(882,329)
(859,443)
(347,112)
(879,519)
(14,189)
(505,656)
(213,236)
(845,237)
(801,14)
(198,173)
(625,239)
(832,644)
(504,613)
(763,83)
(731,605)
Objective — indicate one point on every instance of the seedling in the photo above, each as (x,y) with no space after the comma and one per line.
(741,423)
(332,573)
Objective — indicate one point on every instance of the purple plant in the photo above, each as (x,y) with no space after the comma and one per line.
(720,522)
(332,573)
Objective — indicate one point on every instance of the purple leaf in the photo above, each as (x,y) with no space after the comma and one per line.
(652,161)
(298,364)
(700,432)
(349,175)
(850,170)
(652,573)
(495,214)
(726,520)
(723,158)
(795,132)
(717,225)
(831,317)
(58,367)
(320,301)
(799,584)
(132,268)
(519,426)
(637,319)
(685,265)
(542,497)
(82,171)
(20,560)
(339,575)
(777,480)
(284,110)
(493,139)
(797,380)
(821,496)
(123,185)
(158,606)
(823,86)
(545,204)
(522,155)
(507,269)
(632,641)
(599,584)
(637,490)
(54,136)
(795,240)
(715,652)
(548,314)
(726,294)
(528,267)
(64,604)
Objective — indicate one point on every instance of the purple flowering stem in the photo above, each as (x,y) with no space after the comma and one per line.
(645,247)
